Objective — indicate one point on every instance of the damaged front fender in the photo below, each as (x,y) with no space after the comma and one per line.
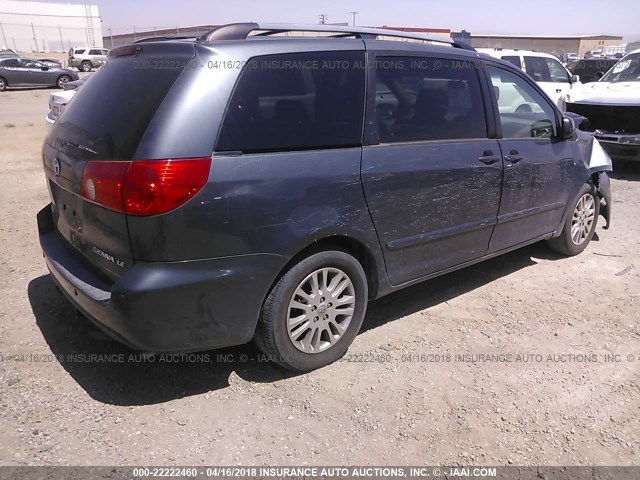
(598,162)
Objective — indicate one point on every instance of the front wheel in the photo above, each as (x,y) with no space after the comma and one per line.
(314,312)
(3,84)
(86,66)
(580,226)
(62,80)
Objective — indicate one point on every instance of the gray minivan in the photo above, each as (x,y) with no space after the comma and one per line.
(250,185)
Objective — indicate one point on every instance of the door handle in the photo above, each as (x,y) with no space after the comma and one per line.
(488,158)
(558,90)
(513,157)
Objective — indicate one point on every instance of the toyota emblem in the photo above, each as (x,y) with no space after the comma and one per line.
(56,166)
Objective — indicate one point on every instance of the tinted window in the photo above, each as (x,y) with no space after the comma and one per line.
(538,69)
(428,99)
(13,63)
(112,125)
(296,101)
(95,52)
(524,113)
(80,51)
(513,59)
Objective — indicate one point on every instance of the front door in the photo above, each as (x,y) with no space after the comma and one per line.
(550,75)
(537,163)
(432,178)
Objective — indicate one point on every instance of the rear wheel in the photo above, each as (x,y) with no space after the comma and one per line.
(314,312)
(3,84)
(86,66)
(62,80)
(580,225)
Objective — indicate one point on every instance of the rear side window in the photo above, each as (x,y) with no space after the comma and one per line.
(110,114)
(296,101)
(428,99)
(12,63)
(95,52)
(557,71)
(80,51)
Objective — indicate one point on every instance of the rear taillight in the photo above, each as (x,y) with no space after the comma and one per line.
(144,187)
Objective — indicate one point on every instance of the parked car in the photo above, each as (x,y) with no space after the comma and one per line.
(210,205)
(594,54)
(58,100)
(28,72)
(590,70)
(612,106)
(545,69)
(86,59)
(7,52)
(572,57)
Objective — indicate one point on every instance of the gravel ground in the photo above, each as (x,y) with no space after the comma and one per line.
(417,386)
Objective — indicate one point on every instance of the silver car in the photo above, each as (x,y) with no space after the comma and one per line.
(27,72)
(86,58)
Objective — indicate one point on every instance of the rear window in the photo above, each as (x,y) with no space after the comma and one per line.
(296,101)
(111,112)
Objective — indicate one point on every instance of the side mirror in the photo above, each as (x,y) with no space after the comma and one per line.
(568,128)
(44,68)
(599,75)
(575,78)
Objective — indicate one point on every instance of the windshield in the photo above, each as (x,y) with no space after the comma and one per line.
(626,70)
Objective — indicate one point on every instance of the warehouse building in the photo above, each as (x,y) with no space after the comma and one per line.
(48,27)
(556,45)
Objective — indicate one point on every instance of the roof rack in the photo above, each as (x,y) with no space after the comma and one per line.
(164,38)
(240,31)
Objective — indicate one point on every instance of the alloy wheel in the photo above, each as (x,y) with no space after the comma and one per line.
(583,217)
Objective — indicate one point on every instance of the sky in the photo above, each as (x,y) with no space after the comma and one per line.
(540,17)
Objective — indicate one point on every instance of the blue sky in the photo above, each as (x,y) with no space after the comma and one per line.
(541,17)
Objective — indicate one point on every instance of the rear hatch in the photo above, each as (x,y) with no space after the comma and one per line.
(105,121)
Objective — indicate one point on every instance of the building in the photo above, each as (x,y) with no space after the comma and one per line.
(556,45)
(48,27)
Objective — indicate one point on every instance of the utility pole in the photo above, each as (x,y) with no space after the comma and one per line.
(111,36)
(61,40)
(353,24)
(323,18)
(34,36)
(3,36)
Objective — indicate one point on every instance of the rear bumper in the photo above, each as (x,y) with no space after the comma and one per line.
(165,307)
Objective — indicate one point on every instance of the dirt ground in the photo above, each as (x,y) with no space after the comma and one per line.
(414,388)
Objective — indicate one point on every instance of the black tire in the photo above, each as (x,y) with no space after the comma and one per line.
(3,84)
(565,244)
(272,336)
(62,80)
(86,66)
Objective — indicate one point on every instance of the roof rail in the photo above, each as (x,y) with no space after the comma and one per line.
(240,31)
(165,38)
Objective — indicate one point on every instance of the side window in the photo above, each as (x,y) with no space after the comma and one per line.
(31,64)
(79,51)
(296,101)
(12,63)
(428,99)
(512,59)
(538,69)
(95,52)
(557,71)
(524,112)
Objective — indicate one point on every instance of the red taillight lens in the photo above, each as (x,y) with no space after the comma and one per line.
(144,187)
(102,183)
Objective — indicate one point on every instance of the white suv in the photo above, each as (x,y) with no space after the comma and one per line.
(545,69)
(86,58)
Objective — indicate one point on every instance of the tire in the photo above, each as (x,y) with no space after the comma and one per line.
(86,66)
(3,84)
(303,350)
(62,80)
(574,238)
